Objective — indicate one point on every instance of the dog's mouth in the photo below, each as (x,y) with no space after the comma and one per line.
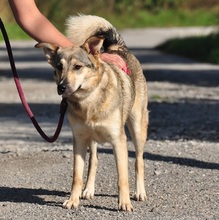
(68,91)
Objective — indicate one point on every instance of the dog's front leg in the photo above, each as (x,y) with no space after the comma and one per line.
(121,157)
(93,162)
(80,149)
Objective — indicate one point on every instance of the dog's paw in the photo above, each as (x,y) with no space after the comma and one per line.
(88,193)
(140,196)
(69,204)
(126,207)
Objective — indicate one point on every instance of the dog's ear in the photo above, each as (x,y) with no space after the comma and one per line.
(49,50)
(93,45)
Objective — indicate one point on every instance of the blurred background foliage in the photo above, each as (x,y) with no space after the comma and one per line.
(129,13)
(136,14)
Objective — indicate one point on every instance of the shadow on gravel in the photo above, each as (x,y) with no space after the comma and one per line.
(50,110)
(102,207)
(169,159)
(206,78)
(34,74)
(25,195)
(27,55)
(23,54)
(146,56)
(187,119)
(188,75)
(181,161)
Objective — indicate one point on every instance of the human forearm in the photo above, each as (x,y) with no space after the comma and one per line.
(35,24)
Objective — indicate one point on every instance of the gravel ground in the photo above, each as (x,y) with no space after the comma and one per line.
(181,154)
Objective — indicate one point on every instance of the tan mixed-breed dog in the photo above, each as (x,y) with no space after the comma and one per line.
(101,99)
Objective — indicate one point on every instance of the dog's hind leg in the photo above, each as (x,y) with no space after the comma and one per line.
(137,124)
(79,149)
(121,157)
(88,192)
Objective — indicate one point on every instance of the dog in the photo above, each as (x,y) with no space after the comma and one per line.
(101,99)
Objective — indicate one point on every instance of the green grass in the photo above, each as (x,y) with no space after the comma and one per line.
(163,18)
(14,32)
(170,18)
(203,48)
(138,19)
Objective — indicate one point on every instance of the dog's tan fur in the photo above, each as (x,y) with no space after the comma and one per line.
(101,99)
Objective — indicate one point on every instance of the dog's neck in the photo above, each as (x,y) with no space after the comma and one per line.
(96,105)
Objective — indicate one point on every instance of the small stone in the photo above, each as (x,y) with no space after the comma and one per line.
(157,172)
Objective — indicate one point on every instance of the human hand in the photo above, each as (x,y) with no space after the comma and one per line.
(116,60)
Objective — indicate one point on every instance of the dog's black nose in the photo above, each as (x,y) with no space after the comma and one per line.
(61,88)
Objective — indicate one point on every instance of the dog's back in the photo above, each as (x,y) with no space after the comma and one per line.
(80,28)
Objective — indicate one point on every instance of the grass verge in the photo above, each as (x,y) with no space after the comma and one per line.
(164,18)
(202,48)
(14,32)
(138,19)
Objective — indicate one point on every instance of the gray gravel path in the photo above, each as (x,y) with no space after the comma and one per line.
(181,154)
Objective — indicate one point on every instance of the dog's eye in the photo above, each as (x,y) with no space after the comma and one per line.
(77,67)
(59,66)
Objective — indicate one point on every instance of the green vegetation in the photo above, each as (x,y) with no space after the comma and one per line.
(204,48)
(164,18)
(137,14)
(14,32)
(123,13)
(140,19)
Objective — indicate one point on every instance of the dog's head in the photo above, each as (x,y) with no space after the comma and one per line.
(77,69)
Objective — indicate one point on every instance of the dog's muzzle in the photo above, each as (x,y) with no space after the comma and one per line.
(61,88)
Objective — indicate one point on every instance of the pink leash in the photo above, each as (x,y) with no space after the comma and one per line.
(63,105)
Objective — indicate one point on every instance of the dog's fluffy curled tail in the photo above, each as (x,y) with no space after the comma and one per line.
(80,28)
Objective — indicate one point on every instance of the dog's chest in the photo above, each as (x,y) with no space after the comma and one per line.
(99,132)
(100,126)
